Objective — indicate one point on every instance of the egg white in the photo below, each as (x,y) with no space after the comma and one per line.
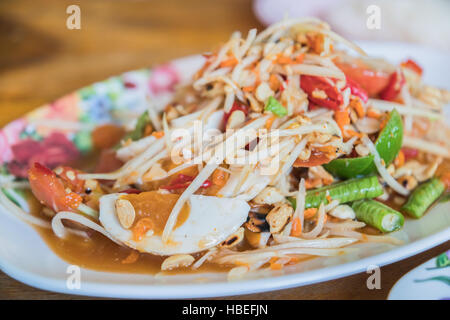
(211,220)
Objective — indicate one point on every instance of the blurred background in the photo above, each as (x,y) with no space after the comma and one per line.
(41,59)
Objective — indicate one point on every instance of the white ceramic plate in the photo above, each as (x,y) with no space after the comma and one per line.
(429,281)
(25,257)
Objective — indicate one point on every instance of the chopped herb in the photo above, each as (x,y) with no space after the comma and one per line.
(274,106)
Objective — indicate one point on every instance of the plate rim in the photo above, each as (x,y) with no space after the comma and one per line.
(241,287)
(230,288)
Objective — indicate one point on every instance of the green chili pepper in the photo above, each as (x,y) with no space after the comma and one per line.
(139,129)
(274,106)
(347,191)
(423,197)
(388,145)
(378,215)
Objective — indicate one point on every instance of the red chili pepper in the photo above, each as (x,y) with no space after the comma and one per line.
(334,98)
(357,90)
(183,181)
(410,153)
(236,106)
(395,85)
(411,64)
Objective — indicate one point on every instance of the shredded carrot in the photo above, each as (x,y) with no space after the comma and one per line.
(329,198)
(312,183)
(294,260)
(269,122)
(276,266)
(249,88)
(400,159)
(342,118)
(309,213)
(383,123)
(315,41)
(296,229)
(356,105)
(371,113)
(219,177)
(231,62)
(282,59)
(158,134)
(326,149)
(274,82)
(353,133)
(141,228)
(131,258)
(242,264)
(300,58)
(273,259)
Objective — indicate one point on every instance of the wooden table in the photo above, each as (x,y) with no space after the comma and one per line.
(40,60)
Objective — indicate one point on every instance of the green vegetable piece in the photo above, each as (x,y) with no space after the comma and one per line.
(274,106)
(347,191)
(138,131)
(423,197)
(378,215)
(347,168)
(388,145)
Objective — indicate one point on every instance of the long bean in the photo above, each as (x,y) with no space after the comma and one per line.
(347,191)
(378,215)
(423,197)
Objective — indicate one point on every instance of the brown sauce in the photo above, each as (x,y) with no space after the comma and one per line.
(156,207)
(101,254)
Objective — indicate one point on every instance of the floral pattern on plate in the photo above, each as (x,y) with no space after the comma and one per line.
(430,281)
(60,132)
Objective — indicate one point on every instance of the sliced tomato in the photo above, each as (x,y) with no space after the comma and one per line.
(50,190)
(316,159)
(412,65)
(70,178)
(372,81)
(409,153)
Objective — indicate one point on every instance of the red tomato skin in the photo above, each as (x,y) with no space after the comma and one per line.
(50,190)
(395,85)
(409,153)
(70,177)
(357,90)
(412,65)
(372,81)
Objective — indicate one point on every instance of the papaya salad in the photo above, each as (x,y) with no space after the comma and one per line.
(361,146)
